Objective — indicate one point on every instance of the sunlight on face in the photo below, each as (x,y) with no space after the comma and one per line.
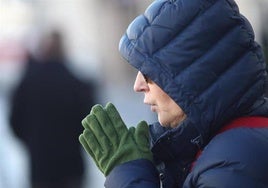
(168,112)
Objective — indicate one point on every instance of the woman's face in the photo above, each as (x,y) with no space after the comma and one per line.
(168,112)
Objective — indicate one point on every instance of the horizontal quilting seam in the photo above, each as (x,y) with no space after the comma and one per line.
(148,22)
(194,18)
(245,51)
(185,27)
(243,93)
(216,43)
(212,47)
(224,72)
(152,23)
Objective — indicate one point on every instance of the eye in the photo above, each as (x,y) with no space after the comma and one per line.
(147,80)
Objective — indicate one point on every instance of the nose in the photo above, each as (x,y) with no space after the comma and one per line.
(140,84)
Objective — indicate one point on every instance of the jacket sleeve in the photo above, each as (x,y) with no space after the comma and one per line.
(140,173)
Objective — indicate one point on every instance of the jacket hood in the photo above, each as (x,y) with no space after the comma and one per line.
(202,53)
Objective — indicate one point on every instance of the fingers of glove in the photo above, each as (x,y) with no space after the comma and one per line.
(94,128)
(85,122)
(142,134)
(83,141)
(92,142)
(132,130)
(116,119)
(105,123)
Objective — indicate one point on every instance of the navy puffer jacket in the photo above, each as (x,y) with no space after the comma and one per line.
(202,53)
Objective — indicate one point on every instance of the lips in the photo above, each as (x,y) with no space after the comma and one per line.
(153,108)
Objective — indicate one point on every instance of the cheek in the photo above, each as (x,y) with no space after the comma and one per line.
(164,119)
(170,115)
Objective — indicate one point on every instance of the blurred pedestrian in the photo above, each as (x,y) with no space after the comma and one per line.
(46,112)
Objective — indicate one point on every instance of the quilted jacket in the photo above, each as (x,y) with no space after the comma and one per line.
(202,53)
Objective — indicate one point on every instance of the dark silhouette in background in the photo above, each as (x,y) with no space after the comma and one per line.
(47,108)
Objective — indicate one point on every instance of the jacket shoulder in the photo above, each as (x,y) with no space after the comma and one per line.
(235,158)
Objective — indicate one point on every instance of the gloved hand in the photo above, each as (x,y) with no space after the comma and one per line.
(109,142)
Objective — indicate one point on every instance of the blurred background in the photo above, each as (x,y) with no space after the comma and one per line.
(91,30)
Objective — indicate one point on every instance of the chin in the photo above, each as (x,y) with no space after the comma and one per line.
(168,124)
(163,123)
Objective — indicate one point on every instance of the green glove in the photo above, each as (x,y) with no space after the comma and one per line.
(109,142)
